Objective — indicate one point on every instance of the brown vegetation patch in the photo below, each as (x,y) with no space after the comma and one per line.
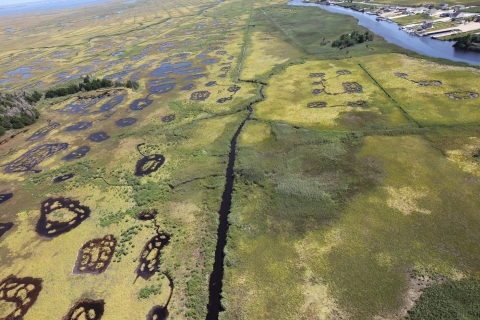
(343,72)
(316,75)
(12,136)
(462,95)
(426,83)
(357,120)
(318,104)
(200,95)
(358,103)
(352,87)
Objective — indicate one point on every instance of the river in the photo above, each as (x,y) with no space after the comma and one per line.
(390,32)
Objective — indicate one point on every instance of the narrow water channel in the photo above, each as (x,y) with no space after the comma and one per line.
(216,277)
(391,33)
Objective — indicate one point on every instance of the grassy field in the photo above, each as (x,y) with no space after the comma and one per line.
(376,112)
(417,18)
(428,104)
(312,30)
(355,174)
(356,258)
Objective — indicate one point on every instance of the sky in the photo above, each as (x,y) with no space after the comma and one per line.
(10,2)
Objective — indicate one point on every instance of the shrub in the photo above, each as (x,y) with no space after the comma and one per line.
(349,40)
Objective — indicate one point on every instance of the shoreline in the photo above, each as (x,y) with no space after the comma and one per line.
(391,33)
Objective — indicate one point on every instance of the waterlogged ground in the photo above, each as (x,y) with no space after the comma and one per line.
(356,173)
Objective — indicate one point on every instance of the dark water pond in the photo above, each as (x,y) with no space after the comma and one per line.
(149,164)
(170,68)
(99,136)
(48,226)
(168,118)
(34,156)
(95,255)
(188,87)
(161,89)
(150,256)
(147,215)
(82,125)
(63,178)
(140,104)
(5,197)
(77,154)
(211,83)
(4,227)
(13,292)
(44,131)
(126,122)
(210,61)
(390,32)
(86,309)
(160,81)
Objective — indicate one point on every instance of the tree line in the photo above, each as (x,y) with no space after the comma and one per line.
(89,85)
(470,42)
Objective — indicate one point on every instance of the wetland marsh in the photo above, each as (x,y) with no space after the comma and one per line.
(254,171)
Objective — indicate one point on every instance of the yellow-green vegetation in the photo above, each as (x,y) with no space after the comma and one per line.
(291,95)
(264,52)
(416,18)
(376,214)
(313,30)
(443,103)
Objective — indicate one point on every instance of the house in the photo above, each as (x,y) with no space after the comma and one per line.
(477,18)
(431,12)
(444,6)
(446,14)
(458,16)
(458,7)
(427,25)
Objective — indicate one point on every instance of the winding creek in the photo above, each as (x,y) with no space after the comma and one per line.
(390,32)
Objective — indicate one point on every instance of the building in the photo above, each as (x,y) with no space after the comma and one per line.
(427,25)
(444,6)
(431,12)
(458,16)
(458,7)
